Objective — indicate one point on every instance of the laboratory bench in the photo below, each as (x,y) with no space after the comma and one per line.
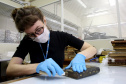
(107,75)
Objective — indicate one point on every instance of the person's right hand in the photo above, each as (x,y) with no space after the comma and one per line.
(48,66)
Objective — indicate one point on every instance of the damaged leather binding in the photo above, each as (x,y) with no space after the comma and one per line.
(91,70)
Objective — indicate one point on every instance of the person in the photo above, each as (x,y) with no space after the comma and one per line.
(45,47)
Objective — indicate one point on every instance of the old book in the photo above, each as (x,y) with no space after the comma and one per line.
(106,52)
(91,70)
(117,61)
(120,50)
(70,52)
(118,42)
(113,54)
(119,47)
(118,57)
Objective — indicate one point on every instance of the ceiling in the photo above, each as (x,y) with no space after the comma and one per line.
(73,6)
(78,10)
(94,6)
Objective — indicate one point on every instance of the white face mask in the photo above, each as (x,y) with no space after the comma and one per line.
(44,37)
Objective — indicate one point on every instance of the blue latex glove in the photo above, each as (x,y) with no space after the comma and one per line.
(78,63)
(48,66)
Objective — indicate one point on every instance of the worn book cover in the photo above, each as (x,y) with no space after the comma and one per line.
(91,70)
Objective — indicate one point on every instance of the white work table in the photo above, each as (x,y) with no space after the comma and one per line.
(107,75)
(5,59)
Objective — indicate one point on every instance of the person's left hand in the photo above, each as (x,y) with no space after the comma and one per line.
(78,63)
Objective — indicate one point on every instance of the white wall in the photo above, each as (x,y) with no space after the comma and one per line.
(8,47)
(99,20)
(111,30)
(101,44)
(7,23)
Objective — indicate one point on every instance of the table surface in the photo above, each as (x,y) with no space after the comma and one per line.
(107,75)
(5,58)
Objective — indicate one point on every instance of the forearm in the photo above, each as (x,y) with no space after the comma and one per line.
(20,70)
(89,52)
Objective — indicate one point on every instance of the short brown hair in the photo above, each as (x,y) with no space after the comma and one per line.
(26,17)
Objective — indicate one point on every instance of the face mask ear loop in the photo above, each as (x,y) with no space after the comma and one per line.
(43,21)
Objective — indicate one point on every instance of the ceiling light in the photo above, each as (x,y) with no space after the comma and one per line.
(82,3)
(97,14)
